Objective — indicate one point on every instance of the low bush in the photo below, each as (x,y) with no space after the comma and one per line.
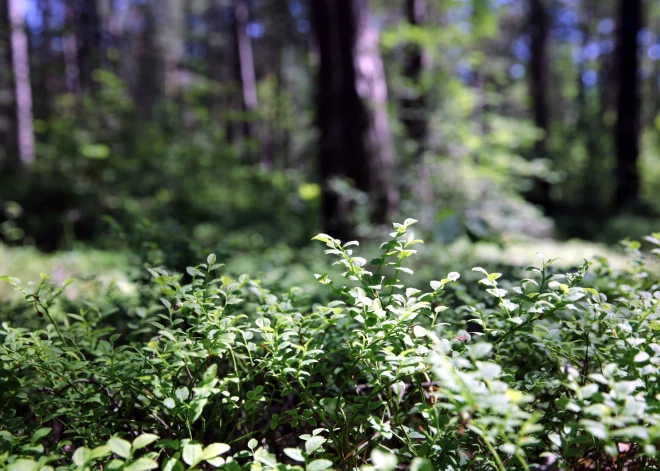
(558,371)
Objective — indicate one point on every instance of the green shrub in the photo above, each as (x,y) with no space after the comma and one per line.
(226,373)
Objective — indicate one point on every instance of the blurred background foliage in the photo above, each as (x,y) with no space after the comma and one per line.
(157,131)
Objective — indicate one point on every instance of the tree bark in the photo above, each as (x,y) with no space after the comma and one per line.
(539,74)
(88,33)
(355,140)
(415,62)
(9,149)
(628,104)
(415,112)
(148,71)
(22,87)
(245,71)
(70,53)
(171,30)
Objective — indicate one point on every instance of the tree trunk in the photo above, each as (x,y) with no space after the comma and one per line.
(628,104)
(70,53)
(245,71)
(171,31)
(44,79)
(414,105)
(8,146)
(87,26)
(22,88)
(539,74)
(148,59)
(355,141)
(414,109)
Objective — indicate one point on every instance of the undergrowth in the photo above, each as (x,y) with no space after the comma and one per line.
(554,371)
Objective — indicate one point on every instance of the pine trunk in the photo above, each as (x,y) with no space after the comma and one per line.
(22,87)
(628,104)
(245,71)
(539,75)
(414,105)
(355,141)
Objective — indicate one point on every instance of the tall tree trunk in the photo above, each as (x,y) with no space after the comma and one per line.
(355,139)
(44,80)
(8,146)
(539,74)
(414,109)
(22,88)
(222,100)
(589,128)
(70,52)
(628,104)
(245,70)
(414,105)
(171,29)
(87,27)
(148,57)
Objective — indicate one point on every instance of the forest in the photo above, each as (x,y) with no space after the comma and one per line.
(329,234)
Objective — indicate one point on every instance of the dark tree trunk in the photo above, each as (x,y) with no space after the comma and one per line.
(355,141)
(245,71)
(589,128)
(414,105)
(87,27)
(539,75)
(70,52)
(9,149)
(44,78)
(148,57)
(22,86)
(414,110)
(628,104)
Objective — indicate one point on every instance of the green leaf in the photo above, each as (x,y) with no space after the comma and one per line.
(479,269)
(182,394)
(329,241)
(144,440)
(40,433)
(23,465)
(252,444)
(295,454)
(217,462)
(197,408)
(314,444)
(488,370)
(319,465)
(211,373)
(142,464)
(479,350)
(634,432)
(419,331)
(262,456)
(120,447)
(169,403)
(115,464)
(173,465)
(420,464)
(214,449)
(210,259)
(192,454)
(596,429)
(11,280)
(99,452)
(382,460)
(81,456)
